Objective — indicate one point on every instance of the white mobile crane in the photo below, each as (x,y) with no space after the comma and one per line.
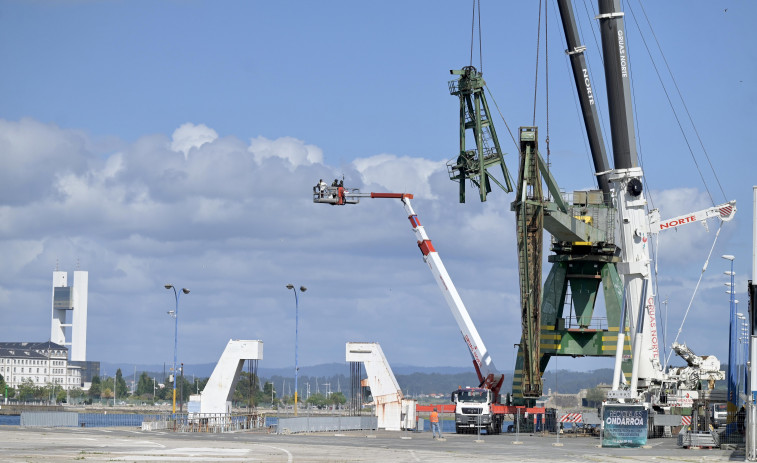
(635,224)
(474,407)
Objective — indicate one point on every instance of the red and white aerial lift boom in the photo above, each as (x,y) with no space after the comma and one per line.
(489,377)
(488,374)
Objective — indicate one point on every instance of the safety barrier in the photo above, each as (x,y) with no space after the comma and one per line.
(88,420)
(49,419)
(204,422)
(195,422)
(571,418)
(326,424)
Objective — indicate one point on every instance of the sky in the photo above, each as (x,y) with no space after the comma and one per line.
(177,142)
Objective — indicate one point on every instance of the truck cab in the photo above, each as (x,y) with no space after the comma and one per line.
(718,414)
(474,411)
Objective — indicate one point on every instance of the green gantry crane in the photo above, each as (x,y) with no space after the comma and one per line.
(584,256)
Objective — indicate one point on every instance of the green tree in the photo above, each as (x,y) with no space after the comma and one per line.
(337,399)
(6,390)
(95,389)
(184,388)
(317,400)
(120,385)
(144,385)
(268,393)
(48,392)
(248,390)
(27,390)
(107,393)
(594,396)
(75,393)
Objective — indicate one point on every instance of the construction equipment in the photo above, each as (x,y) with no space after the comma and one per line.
(585,249)
(473,164)
(724,212)
(489,377)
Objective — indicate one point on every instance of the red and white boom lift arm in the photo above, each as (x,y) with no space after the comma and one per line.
(488,374)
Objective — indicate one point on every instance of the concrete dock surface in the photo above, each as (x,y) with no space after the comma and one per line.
(52,445)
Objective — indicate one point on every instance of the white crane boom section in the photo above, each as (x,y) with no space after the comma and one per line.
(724,212)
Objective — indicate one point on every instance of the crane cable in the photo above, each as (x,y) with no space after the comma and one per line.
(477,13)
(675,114)
(691,301)
(536,71)
(476,5)
(546,84)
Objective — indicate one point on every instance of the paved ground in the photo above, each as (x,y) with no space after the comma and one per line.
(18,444)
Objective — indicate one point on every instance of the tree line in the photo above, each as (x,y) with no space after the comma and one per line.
(325,391)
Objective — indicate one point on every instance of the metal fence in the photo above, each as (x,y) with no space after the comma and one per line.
(50,419)
(195,422)
(74,419)
(326,424)
(204,422)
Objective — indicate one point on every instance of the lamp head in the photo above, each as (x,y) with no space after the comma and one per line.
(185,290)
(168,286)
(303,289)
(728,257)
(290,286)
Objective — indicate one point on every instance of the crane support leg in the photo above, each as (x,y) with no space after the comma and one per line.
(576,333)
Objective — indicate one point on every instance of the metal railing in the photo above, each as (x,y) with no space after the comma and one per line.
(205,422)
(194,422)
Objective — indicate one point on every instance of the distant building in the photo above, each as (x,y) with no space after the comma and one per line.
(69,313)
(68,325)
(62,360)
(42,363)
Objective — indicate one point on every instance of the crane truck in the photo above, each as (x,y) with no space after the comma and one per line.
(623,188)
(476,408)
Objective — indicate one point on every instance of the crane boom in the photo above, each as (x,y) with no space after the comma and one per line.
(488,374)
(725,212)
(585,95)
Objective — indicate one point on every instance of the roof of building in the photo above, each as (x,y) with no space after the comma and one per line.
(36,350)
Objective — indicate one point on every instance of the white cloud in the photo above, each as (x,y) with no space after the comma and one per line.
(190,136)
(235,223)
(295,151)
(399,174)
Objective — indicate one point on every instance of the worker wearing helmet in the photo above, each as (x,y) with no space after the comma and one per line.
(434,419)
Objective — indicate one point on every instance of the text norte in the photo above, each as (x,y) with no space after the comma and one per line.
(677,222)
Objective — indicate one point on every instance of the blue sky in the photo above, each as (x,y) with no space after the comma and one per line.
(178,142)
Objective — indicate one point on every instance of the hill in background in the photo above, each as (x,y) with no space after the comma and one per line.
(413,380)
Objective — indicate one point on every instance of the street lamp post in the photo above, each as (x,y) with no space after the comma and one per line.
(742,341)
(296,334)
(733,400)
(175,314)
